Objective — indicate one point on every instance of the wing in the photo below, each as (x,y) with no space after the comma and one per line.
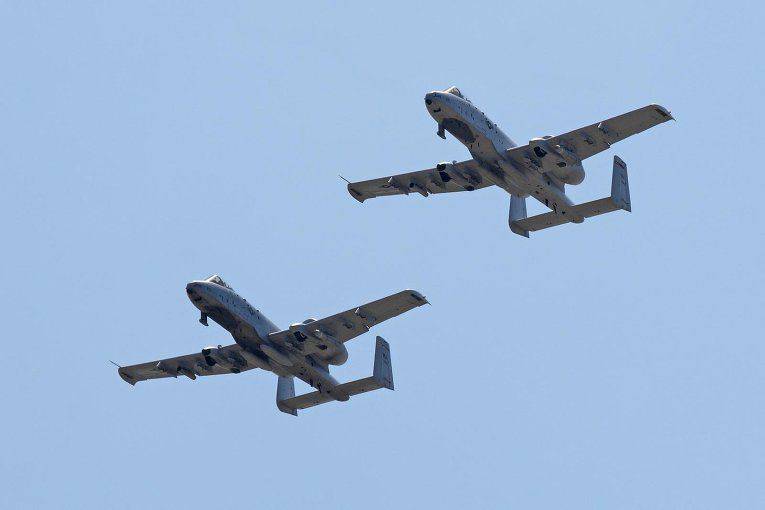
(357,321)
(595,138)
(190,365)
(462,176)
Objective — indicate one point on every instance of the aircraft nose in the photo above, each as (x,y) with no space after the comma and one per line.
(191,288)
(429,98)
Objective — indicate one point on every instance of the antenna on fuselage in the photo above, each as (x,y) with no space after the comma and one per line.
(115,364)
(343,178)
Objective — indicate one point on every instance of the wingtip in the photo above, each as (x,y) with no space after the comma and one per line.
(125,377)
(664,112)
(355,194)
(418,296)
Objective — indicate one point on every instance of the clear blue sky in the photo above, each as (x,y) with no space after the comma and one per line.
(613,364)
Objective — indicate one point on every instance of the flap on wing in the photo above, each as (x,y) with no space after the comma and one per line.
(462,176)
(590,140)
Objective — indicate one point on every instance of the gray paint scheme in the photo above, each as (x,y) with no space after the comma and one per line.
(540,169)
(305,350)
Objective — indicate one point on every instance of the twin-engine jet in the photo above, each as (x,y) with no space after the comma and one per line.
(305,350)
(540,169)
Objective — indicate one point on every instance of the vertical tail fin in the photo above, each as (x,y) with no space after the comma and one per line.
(517,212)
(620,186)
(285,389)
(383,369)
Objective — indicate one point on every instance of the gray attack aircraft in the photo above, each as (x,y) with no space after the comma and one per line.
(305,350)
(539,169)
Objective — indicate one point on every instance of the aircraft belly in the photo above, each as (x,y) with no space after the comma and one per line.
(223,316)
(459,130)
(241,330)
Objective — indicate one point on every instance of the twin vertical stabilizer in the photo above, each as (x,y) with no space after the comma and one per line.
(382,377)
(619,199)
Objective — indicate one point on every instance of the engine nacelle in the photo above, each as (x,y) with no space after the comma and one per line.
(564,164)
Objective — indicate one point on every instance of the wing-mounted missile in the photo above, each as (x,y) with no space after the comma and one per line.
(557,159)
(187,372)
(175,370)
(448,172)
(219,356)
(397,184)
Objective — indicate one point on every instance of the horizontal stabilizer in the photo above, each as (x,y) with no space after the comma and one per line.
(382,377)
(619,199)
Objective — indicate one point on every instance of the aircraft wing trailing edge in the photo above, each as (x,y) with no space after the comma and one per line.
(356,321)
(590,140)
(444,178)
(210,361)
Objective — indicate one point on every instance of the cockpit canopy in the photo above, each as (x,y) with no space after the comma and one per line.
(456,92)
(217,280)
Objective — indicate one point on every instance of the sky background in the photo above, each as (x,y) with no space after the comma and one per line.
(613,364)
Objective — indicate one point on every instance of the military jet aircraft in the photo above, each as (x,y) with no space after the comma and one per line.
(305,350)
(540,169)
